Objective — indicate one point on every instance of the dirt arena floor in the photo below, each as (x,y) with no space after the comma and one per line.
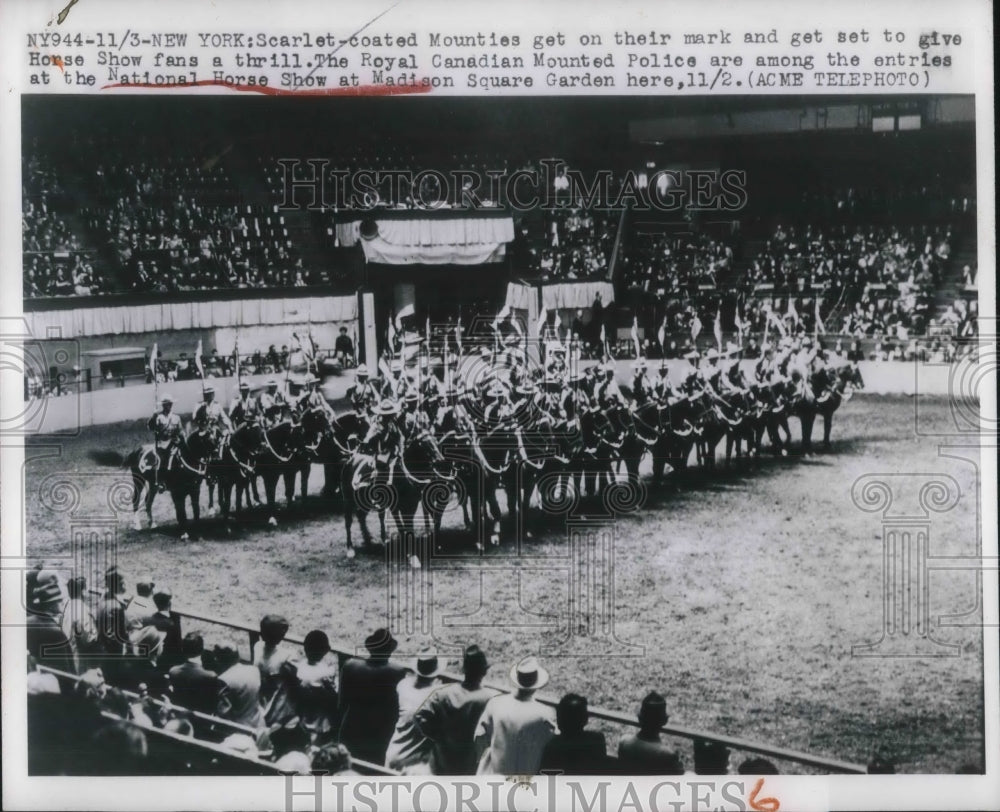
(739,596)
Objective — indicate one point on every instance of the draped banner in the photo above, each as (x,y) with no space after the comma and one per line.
(565,296)
(95,321)
(432,240)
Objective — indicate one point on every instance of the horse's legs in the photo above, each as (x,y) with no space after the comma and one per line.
(138,483)
(348,521)
(827,426)
(150,496)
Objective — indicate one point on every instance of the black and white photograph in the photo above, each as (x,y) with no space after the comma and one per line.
(398,435)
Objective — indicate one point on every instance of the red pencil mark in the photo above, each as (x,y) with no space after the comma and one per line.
(267,90)
(762,804)
(57,61)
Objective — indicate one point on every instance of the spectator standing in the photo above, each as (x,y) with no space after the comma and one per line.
(368,699)
(273,659)
(643,753)
(449,717)
(409,750)
(170,624)
(315,687)
(514,728)
(575,751)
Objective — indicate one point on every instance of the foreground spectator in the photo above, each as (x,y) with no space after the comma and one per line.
(315,687)
(644,753)
(142,672)
(514,728)
(368,699)
(170,624)
(240,699)
(276,672)
(757,766)
(195,687)
(46,641)
(408,748)
(449,717)
(710,758)
(575,751)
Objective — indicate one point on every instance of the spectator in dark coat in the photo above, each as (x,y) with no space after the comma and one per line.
(368,699)
(170,625)
(643,753)
(194,686)
(449,717)
(575,751)
(47,642)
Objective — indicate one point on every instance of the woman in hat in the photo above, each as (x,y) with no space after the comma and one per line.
(514,728)
(409,750)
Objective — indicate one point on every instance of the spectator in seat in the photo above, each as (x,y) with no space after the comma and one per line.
(710,758)
(315,687)
(141,672)
(514,728)
(449,717)
(291,748)
(195,687)
(240,699)
(409,750)
(141,608)
(575,751)
(119,749)
(78,621)
(368,699)
(46,641)
(170,625)
(343,348)
(112,627)
(644,753)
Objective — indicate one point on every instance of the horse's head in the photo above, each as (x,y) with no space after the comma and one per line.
(315,420)
(423,449)
(199,445)
(250,437)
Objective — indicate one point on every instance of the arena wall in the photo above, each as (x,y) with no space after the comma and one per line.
(73,412)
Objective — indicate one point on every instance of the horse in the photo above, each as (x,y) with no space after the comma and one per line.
(233,467)
(282,457)
(182,479)
(397,489)
(828,387)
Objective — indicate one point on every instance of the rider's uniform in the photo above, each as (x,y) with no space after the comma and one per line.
(363,395)
(642,389)
(245,409)
(167,432)
(272,404)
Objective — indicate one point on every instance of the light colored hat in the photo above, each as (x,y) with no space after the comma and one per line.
(386,407)
(396,365)
(529,674)
(639,363)
(496,390)
(166,399)
(693,355)
(712,354)
(426,664)
(361,371)
(244,385)
(208,390)
(272,382)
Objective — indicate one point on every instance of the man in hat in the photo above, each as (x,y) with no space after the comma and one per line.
(167,432)
(244,408)
(272,403)
(451,414)
(606,389)
(644,753)
(384,440)
(78,621)
(395,386)
(312,398)
(693,382)
(368,699)
(642,389)
(497,410)
(428,383)
(409,749)
(412,420)
(343,348)
(209,417)
(449,717)
(363,393)
(46,641)
(512,732)
(663,390)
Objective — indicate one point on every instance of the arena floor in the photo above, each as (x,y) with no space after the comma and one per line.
(738,597)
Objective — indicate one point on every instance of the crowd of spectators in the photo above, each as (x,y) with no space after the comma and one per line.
(666,265)
(576,246)
(297,707)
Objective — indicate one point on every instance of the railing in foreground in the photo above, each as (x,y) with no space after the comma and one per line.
(781,753)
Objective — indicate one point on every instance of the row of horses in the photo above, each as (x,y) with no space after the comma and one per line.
(528,457)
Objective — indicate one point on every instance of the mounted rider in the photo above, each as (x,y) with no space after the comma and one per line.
(663,390)
(312,398)
(451,415)
(383,444)
(642,388)
(210,418)
(363,393)
(167,434)
(428,383)
(693,378)
(606,389)
(272,403)
(395,386)
(412,420)
(245,408)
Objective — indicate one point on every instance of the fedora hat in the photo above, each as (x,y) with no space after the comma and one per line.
(529,674)
(381,641)
(426,665)
(386,407)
